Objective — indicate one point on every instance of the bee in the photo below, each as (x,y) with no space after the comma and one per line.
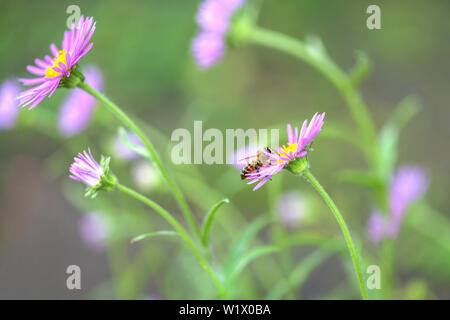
(257,161)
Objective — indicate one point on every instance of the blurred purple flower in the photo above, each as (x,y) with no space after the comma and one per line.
(76,111)
(292,208)
(51,71)
(122,151)
(213,19)
(9,108)
(376,227)
(207,48)
(295,149)
(213,16)
(86,169)
(94,230)
(408,185)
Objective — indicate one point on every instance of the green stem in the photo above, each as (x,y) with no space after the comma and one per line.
(319,60)
(154,155)
(177,226)
(308,176)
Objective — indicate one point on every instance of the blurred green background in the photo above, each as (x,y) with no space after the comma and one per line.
(143,51)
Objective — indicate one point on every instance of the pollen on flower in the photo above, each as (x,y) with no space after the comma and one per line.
(291,148)
(56,71)
(51,72)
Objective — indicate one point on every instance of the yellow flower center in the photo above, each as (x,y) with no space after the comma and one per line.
(50,72)
(290,148)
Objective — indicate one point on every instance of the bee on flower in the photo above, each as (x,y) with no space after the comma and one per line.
(290,156)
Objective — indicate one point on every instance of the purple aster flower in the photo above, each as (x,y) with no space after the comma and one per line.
(76,111)
(52,70)
(95,176)
(213,18)
(292,207)
(295,149)
(8,104)
(86,169)
(376,228)
(208,48)
(94,230)
(123,151)
(408,184)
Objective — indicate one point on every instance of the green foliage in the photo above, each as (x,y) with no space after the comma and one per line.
(299,274)
(246,258)
(239,257)
(156,82)
(209,220)
(148,235)
(361,70)
(389,136)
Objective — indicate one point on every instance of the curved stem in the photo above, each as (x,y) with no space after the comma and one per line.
(308,176)
(154,155)
(177,226)
(319,60)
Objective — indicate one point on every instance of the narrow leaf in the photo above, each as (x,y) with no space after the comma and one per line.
(388,140)
(361,69)
(244,241)
(153,234)
(249,257)
(300,273)
(209,220)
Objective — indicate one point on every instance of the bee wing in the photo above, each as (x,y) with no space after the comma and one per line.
(247,159)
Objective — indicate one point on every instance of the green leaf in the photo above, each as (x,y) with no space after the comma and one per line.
(153,234)
(300,273)
(247,258)
(388,139)
(209,220)
(405,111)
(133,147)
(243,242)
(361,70)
